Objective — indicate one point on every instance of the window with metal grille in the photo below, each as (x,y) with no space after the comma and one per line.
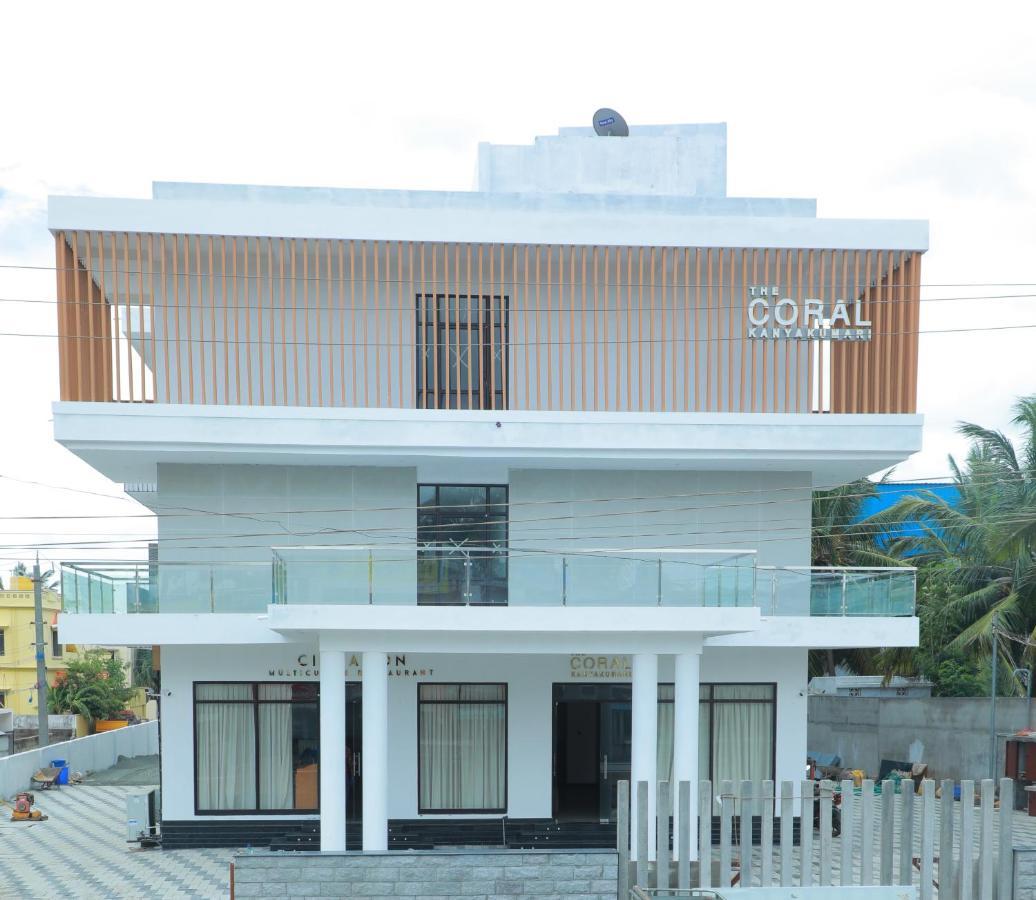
(461,351)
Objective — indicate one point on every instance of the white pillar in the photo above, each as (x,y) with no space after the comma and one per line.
(685,737)
(332,750)
(375,751)
(644,759)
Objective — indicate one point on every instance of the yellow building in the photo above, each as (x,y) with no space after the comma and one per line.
(17,650)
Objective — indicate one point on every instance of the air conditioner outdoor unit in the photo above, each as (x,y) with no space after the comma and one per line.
(143,812)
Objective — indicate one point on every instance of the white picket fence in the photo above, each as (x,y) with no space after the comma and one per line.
(948,848)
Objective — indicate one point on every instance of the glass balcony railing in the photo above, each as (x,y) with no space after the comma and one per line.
(825,591)
(186,587)
(485,576)
(493,576)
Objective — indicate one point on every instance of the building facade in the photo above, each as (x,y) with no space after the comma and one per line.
(471,504)
(18,644)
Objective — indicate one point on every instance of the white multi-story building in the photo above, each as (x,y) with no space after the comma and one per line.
(471,504)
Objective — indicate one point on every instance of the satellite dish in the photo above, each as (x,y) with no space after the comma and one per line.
(608,123)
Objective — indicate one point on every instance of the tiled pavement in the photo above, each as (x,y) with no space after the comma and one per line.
(80,852)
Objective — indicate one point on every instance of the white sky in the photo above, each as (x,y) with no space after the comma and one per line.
(889,110)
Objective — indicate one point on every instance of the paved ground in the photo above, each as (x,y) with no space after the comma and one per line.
(141,770)
(79,852)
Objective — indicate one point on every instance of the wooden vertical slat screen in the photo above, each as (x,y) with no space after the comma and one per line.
(181,318)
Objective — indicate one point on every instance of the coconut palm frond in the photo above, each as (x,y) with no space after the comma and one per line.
(980,632)
(995,445)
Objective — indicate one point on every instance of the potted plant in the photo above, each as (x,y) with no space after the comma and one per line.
(94,687)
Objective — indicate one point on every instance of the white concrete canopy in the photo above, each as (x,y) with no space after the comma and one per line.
(511,629)
(531,629)
(127,442)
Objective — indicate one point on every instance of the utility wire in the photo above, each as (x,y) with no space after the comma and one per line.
(204,305)
(588,341)
(407,536)
(807,494)
(355,277)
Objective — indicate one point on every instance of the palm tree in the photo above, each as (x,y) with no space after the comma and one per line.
(842,537)
(977,557)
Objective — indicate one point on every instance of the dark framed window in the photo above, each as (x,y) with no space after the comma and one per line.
(461,351)
(462,748)
(256,747)
(462,544)
(3,700)
(2,644)
(737,731)
(56,649)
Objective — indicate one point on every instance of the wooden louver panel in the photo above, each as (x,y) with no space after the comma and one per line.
(180,318)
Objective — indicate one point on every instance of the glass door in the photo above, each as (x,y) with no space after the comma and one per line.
(353,751)
(615,745)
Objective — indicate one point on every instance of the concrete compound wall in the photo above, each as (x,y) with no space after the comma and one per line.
(480,875)
(93,753)
(950,734)
(1025,873)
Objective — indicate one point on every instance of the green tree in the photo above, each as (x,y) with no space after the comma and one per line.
(841,537)
(93,686)
(977,557)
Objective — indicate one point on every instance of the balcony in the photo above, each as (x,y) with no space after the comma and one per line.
(486,576)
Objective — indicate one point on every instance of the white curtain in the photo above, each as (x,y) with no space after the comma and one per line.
(664,758)
(225,733)
(743,740)
(666,740)
(462,747)
(275,763)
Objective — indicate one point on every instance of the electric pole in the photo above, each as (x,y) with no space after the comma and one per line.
(41,661)
(992,702)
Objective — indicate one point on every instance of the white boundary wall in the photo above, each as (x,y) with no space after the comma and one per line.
(93,753)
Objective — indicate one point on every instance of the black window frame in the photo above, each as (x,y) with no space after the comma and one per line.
(255,703)
(708,687)
(495,513)
(421,811)
(57,649)
(3,641)
(438,314)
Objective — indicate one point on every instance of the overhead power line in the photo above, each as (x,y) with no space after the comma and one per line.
(278,275)
(408,534)
(806,492)
(572,342)
(208,303)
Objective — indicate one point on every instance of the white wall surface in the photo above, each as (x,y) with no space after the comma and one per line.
(223,520)
(529,679)
(557,508)
(688,160)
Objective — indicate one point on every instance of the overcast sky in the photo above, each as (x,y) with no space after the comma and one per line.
(888,110)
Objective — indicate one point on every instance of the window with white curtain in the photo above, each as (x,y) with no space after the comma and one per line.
(735,732)
(462,748)
(255,747)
